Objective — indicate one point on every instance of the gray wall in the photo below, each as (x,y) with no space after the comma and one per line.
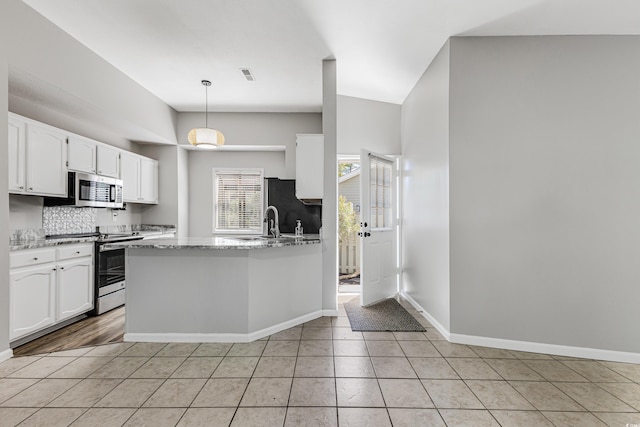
(545,201)
(330,199)
(201,164)
(363,123)
(425,220)
(4,186)
(183,193)
(55,71)
(240,129)
(256,129)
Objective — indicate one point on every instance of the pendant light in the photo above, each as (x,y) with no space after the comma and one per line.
(205,137)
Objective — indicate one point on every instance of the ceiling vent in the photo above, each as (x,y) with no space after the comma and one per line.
(247,74)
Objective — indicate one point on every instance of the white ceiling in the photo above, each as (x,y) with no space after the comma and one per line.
(382,47)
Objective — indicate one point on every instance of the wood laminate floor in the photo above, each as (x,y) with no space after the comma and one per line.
(103,329)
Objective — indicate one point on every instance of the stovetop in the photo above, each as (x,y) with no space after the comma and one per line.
(119,237)
(101,237)
(71,235)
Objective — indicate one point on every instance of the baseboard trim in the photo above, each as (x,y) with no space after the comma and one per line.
(555,349)
(330,313)
(443,331)
(222,337)
(6,355)
(528,346)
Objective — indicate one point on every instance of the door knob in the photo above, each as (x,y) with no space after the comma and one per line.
(367,234)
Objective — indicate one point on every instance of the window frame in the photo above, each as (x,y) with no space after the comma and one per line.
(239,171)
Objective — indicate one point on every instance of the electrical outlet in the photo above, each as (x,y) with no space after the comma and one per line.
(114,216)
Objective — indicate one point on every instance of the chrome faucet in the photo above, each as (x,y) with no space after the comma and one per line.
(274,228)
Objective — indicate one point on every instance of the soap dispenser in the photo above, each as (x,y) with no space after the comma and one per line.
(299,228)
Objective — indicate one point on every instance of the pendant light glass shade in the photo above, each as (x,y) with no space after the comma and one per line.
(205,137)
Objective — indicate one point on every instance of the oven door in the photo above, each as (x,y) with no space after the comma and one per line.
(110,270)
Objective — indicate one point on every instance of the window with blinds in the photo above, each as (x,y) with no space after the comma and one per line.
(238,200)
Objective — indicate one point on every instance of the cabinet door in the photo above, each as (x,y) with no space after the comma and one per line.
(46,164)
(148,181)
(81,154)
(108,161)
(74,287)
(16,155)
(130,177)
(309,166)
(32,299)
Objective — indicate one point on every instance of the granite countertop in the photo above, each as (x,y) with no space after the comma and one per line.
(239,242)
(35,238)
(16,245)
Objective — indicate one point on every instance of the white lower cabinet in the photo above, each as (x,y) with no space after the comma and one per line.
(32,303)
(73,294)
(49,285)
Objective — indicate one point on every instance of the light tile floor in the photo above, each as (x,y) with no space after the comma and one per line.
(317,374)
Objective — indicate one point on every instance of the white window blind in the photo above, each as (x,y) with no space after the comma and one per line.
(238,200)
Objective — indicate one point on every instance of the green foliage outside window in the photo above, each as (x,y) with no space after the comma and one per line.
(347,219)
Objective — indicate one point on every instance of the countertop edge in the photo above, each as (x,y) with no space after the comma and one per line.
(211,243)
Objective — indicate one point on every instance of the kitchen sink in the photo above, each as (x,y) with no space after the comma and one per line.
(247,238)
(263,238)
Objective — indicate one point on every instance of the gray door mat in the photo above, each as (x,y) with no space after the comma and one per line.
(387,315)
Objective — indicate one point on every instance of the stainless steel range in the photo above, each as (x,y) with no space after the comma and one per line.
(110,272)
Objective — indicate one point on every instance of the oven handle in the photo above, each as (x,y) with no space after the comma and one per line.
(103,249)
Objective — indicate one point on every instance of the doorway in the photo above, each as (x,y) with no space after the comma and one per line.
(348,224)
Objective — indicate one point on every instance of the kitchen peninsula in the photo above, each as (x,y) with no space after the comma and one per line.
(220,289)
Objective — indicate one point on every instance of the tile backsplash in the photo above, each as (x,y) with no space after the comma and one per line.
(67,220)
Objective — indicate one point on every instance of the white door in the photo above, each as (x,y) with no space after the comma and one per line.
(378,271)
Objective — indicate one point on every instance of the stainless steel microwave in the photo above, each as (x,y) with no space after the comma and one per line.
(86,190)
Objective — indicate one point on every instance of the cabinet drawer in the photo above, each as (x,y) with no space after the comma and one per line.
(31,257)
(75,251)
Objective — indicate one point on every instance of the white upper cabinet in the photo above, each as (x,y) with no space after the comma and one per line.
(40,155)
(108,161)
(46,161)
(17,144)
(309,166)
(37,158)
(148,180)
(130,164)
(81,154)
(139,178)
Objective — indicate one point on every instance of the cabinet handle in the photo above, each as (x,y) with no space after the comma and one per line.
(21,187)
(30,188)
(77,252)
(61,268)
(35,258)
(54,269)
